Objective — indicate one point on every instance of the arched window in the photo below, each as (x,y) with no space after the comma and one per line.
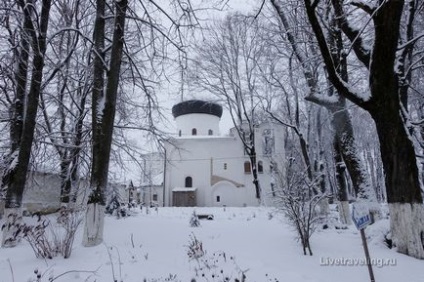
(189,181)
(210,132)
(247,168)
(260,167)
(194,131)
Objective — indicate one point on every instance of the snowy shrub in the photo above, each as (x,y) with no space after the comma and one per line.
(299,209)
(195,248)
(114,206)
(300,204)
(194,220)
(12,229)
(69,220)
(217,267)
(47,241)
(38,238)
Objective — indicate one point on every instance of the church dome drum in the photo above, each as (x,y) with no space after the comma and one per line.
(197,117)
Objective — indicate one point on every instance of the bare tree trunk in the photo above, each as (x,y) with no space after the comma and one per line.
(18,172)
(342,195)
(397,151)
(104,106)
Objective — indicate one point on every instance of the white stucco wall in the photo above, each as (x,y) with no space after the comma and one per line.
(201,157)
(202,122)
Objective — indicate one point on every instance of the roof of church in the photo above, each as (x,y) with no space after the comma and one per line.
(196,107)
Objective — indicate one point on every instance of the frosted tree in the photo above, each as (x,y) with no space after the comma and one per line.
(384,59)
(346,154)
(33,21)
(138,53)
(226,65)
(104,95)
(63,101)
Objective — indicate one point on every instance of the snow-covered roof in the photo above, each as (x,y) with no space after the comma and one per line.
(184,189)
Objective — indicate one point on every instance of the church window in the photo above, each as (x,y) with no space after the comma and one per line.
(188,182)
(247,168)
(273,189)
(194,131)
(260,167)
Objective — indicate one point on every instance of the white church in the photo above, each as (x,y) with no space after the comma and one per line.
(204,168)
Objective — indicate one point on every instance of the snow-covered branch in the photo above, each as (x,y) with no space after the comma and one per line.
(342,87)
(364,5)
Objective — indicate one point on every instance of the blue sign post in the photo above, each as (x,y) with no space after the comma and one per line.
(361,218)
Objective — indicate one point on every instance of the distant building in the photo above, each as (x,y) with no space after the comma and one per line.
(150,192)
(204,168)
(42,193)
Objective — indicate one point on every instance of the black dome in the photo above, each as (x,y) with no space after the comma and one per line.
(196,107)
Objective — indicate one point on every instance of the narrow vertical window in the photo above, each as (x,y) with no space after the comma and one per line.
(179,133)
(210,132)
(194,131)
(188,182)
(260,167)
(273,189)
(225,166)
(247,168)
(218,199)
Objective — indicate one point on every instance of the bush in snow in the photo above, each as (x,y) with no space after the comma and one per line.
(194,220)
(46,240)
(216,267)
(195,248)
(300,205)
(12,229)
(114,207)
(69,219)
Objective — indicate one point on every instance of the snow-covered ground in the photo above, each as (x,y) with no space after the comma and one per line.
(154,247)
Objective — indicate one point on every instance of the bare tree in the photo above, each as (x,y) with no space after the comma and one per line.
(127,59)
(103,115)
(385,102)
(227,66)
(346,154)
(300,208)
(35,25)
(65,92)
